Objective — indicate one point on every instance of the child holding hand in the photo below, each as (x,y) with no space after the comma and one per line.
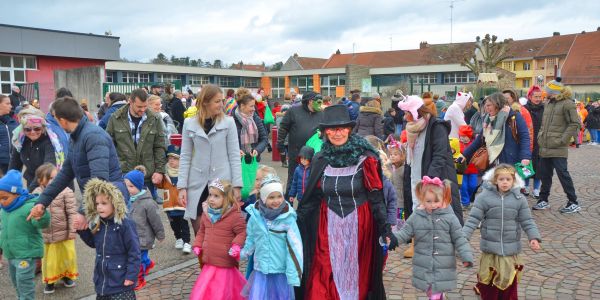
(221,235)
(437,236)
(502,211)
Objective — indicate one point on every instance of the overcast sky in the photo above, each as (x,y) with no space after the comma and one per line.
(271,31)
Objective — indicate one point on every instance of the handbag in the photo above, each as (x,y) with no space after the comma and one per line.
(248,176)
(480,158)
(315,141)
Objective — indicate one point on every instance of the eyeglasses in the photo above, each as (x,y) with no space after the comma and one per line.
(336,130)
(30,129)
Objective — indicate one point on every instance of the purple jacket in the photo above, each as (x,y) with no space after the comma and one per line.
(389,195)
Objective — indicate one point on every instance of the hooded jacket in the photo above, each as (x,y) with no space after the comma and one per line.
(7,126)
(559,123)
(301,174)
(19,238)
(62,213)
(455,114)
(593,119)
(144,212)
(502,216)
(369,122)
(113,108)
(438,235)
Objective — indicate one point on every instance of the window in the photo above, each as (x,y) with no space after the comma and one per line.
(251,82)
(12,71)
(330,82)
(5,61)
(110,77)
(424,78)
(459,77)
(225,81)
(304,83)
(507,65)
(277,87)
(30,63)
(18,62)
(526,66)
(198,80)
(162,77)
(130,77)
(526,83)
(144,77)
(19,75)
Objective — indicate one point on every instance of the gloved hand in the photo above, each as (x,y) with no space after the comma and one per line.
(387,234)
(234,252)
(197,250)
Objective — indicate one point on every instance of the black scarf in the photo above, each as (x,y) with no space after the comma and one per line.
(347,154)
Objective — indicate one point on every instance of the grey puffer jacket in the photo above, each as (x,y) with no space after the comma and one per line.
(144,212)
(502,217)
(369,122)
(437,237)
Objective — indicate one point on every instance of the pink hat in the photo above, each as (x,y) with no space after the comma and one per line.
(411,104)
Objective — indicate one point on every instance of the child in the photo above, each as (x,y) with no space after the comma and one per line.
(171,205)
(278,118)
(301,174)
(217,245)
(144,212)
(389,193)
(389,125)
(115,239)
(397,154)
(274,238)
(437,235)
(21,238)
(469,180)
(60,257)
(502,210)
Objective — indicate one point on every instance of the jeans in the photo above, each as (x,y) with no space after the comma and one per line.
(547,166)
(594,135)
(398,129)
(536,183)
(180,227)
(22,275)
(468,187)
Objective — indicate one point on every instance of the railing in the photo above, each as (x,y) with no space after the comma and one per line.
(126,88)
(30,90)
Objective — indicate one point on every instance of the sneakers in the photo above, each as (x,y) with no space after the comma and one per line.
(140,284)
(187,248)
(49,289)
(536,194)
(541,205)
(525,191)
(150,267)
(179,244)
(68,282)
(570,208)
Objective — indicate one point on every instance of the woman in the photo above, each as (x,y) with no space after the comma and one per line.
(251,132)
(592,122)
(476,121)
(370,120)
(505,133)
(342,255)
(535,106)
(84,106)
(7,125)
(33,145)
(229,102)
(515,105)
(209,150)
(155,104)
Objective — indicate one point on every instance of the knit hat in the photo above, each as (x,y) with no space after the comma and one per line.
(271,183)
(411,104)
(465,130)
(12,182)
(173,151)
(306,152)
(136,178)
(554,87)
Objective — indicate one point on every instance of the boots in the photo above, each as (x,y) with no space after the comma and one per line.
(283,160)
(408,253)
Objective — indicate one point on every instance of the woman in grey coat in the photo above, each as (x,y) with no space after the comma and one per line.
(209,150)
(502,211)
(438,235)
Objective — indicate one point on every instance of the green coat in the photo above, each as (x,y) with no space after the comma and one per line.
(150,151)
(560,122)
(21,239)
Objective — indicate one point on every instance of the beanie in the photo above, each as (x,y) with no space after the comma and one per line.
(465,130)
(136,178)
(271,183)
(554,87)
(12,182)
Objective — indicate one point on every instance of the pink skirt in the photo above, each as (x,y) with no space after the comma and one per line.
(218,283)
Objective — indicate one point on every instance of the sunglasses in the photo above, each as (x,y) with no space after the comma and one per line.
(30,129)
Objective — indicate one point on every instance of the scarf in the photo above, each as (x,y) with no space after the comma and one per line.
(136,196)
(413,129)
(214,214)
(248,133)
(270,213)
(347,154)
(18,202)
(172,172)
(18,139)
(493,132)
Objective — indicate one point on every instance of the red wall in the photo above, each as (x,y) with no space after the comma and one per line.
(44,75)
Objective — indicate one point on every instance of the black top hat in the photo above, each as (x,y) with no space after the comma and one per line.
(336,116)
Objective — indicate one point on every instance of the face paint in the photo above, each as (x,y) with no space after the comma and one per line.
(316,105)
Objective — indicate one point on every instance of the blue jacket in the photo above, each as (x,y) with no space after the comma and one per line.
(513,151)
(353,109)
(117,255)
(7,125)
(92,155)
(391,204)
(277,245)
(63,136)
(104,121)
(299,181)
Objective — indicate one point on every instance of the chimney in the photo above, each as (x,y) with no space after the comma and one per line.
(597,28)
(556,33)
(295,55)
(339,52)
(423,45)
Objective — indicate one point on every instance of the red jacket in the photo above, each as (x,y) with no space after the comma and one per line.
(260,109)
(470,167)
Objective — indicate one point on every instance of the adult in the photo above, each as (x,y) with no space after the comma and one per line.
(139,137)
(455,113)
(560,122)
(209,150)
(16,98)
(230,102)
(592,122)
(34,145)
(7,125)
(91,155)
(252,136)
(103,107)
(117,100)
(298,125)
(428,152)
(35,103)
(513,102)
(84,106)
(477,119)
(155,89)
(177,109)
(440,104)
(343,258)
(53,125)
(470,111)
(535,106)
(370,120)
(399,117)
(166,98)
(155,104)
(505,134)
(354,106)
(428,101)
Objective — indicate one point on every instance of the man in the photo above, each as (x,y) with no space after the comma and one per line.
(560,122)
(155,89)
(91,155)
(16,98)
(354,106)
(399,117)
(300,123)
(177,109)
(535,106)
(104,106)
(139,137)
(7,125)
(115,102)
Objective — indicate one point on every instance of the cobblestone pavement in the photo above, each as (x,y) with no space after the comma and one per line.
(564,268)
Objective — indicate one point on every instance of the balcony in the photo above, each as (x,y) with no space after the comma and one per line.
(523,74)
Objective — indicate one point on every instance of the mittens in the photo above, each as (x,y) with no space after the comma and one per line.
(197,250)
(234,252)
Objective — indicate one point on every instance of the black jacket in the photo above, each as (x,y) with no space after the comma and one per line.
(7,125)
(593,118)
(176,110)
(437,162)
(298,124)
(32,155)
(15,100)
(263,138)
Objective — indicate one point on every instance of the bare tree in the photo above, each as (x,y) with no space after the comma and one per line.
(488,53)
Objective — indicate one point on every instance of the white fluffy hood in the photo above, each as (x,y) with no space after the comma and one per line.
(488,176)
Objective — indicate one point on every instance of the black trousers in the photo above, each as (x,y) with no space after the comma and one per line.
(180,227)
(546,171)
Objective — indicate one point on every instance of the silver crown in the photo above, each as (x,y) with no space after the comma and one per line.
(270,178)
(217,184)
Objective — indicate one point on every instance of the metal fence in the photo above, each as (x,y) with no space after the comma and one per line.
(30,90)
(126,88)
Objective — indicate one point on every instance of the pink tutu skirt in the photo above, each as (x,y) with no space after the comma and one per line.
(218,283)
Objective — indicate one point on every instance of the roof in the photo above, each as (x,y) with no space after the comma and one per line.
(308,63)
(582,65)
(525,48)
(59,31)
(557,45)
(242,66)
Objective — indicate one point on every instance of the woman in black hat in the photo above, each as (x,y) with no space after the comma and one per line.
(342,216)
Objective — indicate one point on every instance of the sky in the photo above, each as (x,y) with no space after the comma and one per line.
(271,31)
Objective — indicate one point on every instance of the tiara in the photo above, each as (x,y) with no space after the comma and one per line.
(217,185)
(270,178)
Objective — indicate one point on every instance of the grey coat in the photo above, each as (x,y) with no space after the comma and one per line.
(437,237)
(501,217)
(144,212)
(207,157)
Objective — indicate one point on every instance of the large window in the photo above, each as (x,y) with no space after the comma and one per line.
(225,81)
(330,82)
(163,77)
(251,82)
(134,77)
(424,78)
(198,79)
(303,83)
(277,87)
(110,77)
(12,70)
(459,77)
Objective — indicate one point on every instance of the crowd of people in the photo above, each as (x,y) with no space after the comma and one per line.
(359,182)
